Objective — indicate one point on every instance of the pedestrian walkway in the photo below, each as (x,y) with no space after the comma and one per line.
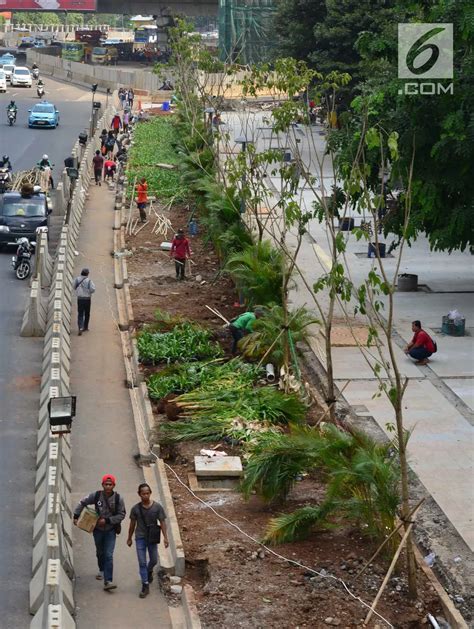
(104,438)
(438,404)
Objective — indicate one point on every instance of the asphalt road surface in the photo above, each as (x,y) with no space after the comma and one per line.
(20,359)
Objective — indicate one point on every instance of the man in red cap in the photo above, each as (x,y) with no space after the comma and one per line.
(110,508)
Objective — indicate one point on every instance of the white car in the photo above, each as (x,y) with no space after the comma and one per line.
(21,76)
(3,81)
(8,69)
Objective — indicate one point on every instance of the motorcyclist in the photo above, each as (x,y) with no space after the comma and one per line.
(5,162)
(34,67)
(45,163)
(24,245)
(40,83)
(12,106)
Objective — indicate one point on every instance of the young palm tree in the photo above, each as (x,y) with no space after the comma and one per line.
(267,338)
(258,273)
(362,479)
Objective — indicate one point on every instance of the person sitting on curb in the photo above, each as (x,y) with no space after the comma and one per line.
(422,346)
(144,518)
(110,507)
(180,251)
(243,325)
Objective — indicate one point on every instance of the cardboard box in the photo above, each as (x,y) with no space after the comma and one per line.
(88,519)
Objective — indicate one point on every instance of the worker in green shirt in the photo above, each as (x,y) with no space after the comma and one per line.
(243,325)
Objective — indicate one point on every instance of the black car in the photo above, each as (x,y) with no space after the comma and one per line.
(21,215)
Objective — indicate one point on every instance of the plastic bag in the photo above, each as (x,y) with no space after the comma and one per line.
(456,316)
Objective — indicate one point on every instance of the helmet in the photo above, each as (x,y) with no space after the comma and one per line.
(5,158)
(45,156)
(24,241)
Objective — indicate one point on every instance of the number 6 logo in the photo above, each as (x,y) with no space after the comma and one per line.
(425,51)
(419,48)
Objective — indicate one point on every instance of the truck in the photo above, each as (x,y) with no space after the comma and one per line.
(102,55)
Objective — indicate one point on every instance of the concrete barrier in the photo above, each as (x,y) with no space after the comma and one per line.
(190,611)
(84,74)
(34,319)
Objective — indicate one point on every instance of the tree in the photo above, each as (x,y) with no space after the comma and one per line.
(440,127)
(294,26)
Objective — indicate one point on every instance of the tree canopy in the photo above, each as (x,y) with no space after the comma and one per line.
(360,37)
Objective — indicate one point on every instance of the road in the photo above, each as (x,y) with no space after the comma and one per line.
(20,359)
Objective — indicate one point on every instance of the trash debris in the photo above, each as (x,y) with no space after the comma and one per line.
(429,559)
(211,453)
(455,316)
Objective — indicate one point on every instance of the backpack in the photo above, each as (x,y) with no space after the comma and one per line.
(117,527)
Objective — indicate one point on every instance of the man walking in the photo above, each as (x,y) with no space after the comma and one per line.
(144,518)
(421,346)
(110,508)
(84,288)
(180,251)
(98,164)
(243,325)
(116,124)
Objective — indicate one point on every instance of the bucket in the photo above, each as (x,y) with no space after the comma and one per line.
(453,327)
(166,106)
(407,283)
(346,224)
(372,252)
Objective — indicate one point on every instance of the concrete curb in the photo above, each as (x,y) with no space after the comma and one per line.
(191,615)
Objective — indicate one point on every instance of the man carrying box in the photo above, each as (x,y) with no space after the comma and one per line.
(109,511)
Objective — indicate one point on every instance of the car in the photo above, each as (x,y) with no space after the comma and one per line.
(7,58)
(43,114)
(3,81)
(8,69)
(21,76)
(21,215)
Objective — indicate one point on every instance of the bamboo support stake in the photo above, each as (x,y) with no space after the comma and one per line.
(415,508)
(140,228)
(131,205)
(218,314)
(391,567)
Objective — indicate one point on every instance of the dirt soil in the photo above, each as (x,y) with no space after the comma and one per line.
(237,583)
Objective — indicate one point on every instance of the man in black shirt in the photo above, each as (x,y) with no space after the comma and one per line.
(144,518)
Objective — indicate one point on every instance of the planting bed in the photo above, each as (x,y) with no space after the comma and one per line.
(236,584)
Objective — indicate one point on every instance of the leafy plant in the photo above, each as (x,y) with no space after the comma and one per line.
(267,333)
(235,410)
(185,342)
(153,144)
(182,378)
(362,479)
(258,273)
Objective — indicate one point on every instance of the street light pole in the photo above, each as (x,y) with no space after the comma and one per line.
(93,90)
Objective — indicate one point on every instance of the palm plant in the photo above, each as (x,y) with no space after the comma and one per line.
(362,479)
(267,338)
(258,273)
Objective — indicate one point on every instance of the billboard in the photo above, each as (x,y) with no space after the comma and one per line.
(48,5)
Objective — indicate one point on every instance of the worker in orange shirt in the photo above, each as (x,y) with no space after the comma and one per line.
(142,198)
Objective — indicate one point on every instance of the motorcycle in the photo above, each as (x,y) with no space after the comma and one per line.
(5,179)
(21,262)
(40,91)
(11,115)
(36,73)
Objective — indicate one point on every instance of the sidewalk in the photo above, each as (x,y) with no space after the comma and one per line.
(438,404)
(104,438)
